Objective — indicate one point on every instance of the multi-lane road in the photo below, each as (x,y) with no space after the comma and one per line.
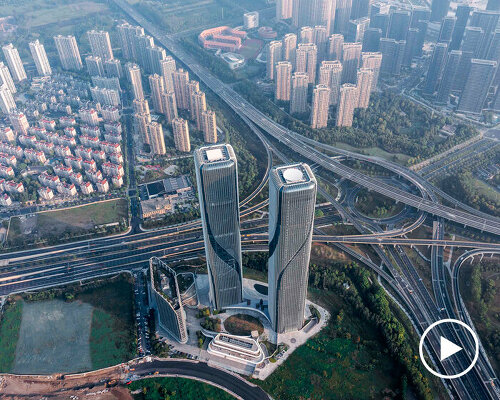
(33,269)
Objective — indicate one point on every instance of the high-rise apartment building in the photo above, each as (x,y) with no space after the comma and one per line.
(477,86)
(373,61)
(168,67)
(127,34)
(274,50)
(192,88)
(342,16)
(473,38)
(292,197)
(360,8)
(392,55)
(319,106)
(209,126)
(399,23)
(314,12)
(364,85)
(436,67)
(488,22)
(351,57)
(69,55)
(7,103)
(306,34)
(142,45)
(217,181)
(356,29)
(141,121)
(446,31)
(330,74)
(199,107)
(113,68)
(306,60)
(14,61)
(40,57)
(411,46)
(289,47)
(180,79)
(95,67)
(284,9)
(19,122)
(320,39)
(180,129)
(157,89)
(140,106)
(448,76)
(439,9)
(371,39)
(169,106)
(462,14)
(283,81)
(135,79)
(298,102)
(335,46)
(100,45)
(156,55)
(419,13)
(156,138)
(6,78)
(348,101)
(380,21)
(250,20)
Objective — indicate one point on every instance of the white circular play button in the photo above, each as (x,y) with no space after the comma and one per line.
(448,347)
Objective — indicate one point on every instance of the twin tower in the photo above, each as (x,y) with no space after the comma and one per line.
(292,196)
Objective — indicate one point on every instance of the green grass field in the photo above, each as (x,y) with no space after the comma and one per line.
(82,218)
(111,325)
(176,389)
(331,366)
(112,331)
(10,324)
(178,16)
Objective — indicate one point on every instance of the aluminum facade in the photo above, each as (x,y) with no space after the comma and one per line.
(217,179)
(291,219)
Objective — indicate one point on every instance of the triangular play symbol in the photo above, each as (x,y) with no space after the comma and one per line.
(448,348)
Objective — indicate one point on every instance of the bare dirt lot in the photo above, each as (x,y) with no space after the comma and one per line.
(54,337)
(84,386)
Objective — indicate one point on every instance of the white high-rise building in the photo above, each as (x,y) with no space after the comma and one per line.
(7,103)
(181,135)
(168,67)
(273,57)
(135,79)
(298,102)
(348,101)
(14,61)
(100,44)
(6,78)
(330,74)
(217,181)
(251,20)
(292,197)
(40,57)
(320,105)
(283,81)
(69,55)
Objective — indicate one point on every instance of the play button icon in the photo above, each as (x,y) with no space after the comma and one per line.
(447,349)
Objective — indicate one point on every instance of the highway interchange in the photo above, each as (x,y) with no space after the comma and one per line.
(57,265)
